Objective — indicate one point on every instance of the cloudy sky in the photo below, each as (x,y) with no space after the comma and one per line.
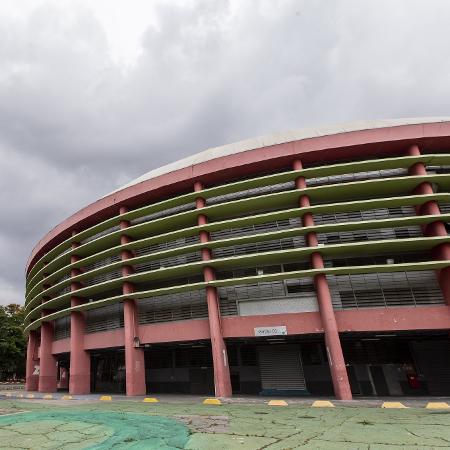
(94,93)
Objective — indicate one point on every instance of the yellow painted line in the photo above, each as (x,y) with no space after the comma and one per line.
(66,397)
(322,404)
(105,398)
(437,405)
(29,396)
(212,401)
(397,405)
(150,400)
(277,403)
(47,397)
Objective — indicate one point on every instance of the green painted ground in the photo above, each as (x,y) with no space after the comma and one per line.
(75,429)
(131,425)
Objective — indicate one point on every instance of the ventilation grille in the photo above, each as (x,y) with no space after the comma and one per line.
(62,253)
(321,163)
(438,169)
(104,318)
(228,307)
(256,229)
(369,235)
(173,307)
(385,290)
(181,306)
(255,192)
(168,262)
(182,242)
(103,277)
(101,263)
(263,173)
(63,278)
(444,207)
(62,291)
(186,312)
(98,235)
(165,213)
(358,216)
(168,283)
(268,290)
(252,291)
(261,270)
(375,260)
(62,328)
(259,247)
(359,176)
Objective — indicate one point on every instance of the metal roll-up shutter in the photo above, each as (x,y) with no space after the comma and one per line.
(281,370)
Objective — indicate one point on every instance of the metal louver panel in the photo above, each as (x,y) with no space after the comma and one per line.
(377,234)
(62,291)
(63,278)
(62,328)
(99,235)
(168,262)
(161,246)
(256,229)
(104,318)
(385,290)
(358,176)
(370,214)
(103,277)
(101,263)
(255,192)
(259,247)
(444,207)
(228,307)
(173,307)
(165,213)
(281,368)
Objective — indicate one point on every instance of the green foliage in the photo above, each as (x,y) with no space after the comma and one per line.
(12,342)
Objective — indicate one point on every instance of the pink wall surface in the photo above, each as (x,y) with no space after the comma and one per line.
(296,323)
(104,339)
(393,319)
(367,320)
(61,346)
(188,330)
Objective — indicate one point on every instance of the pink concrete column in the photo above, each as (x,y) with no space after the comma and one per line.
(222,381)
(437,228)
(48,368)
(134,355)
(32,365)
(336,361)
(80,360)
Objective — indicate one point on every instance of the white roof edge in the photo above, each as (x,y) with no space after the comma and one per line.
(279,138)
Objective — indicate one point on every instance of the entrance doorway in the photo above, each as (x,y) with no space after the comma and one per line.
(182,369)
(63,372)
(108,371)
(379,381)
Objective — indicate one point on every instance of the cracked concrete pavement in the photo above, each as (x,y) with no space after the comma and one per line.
(227,426)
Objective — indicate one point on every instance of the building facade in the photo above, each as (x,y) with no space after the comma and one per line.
(307,263)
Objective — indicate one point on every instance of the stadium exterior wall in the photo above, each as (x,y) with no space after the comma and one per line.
(317,240)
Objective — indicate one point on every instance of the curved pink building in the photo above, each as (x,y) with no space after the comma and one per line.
(306,263)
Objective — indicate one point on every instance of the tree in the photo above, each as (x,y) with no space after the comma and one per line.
(12,342)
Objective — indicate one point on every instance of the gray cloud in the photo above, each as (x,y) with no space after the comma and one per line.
(74,125)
